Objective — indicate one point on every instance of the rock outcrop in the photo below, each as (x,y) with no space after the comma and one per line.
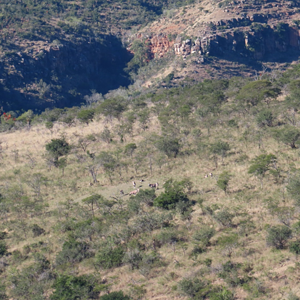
(159,45)
(255,42)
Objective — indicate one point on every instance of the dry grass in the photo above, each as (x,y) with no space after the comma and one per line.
(244,197)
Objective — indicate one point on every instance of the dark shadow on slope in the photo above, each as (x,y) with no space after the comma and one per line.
(61,76)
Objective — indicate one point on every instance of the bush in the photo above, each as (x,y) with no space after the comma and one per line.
(69,287)
(223,181)
(168,145)
(58,148)
(265,118)
(3,248)
(167,236)
(288,135)
(150,221)
(169,199)
(86,115)
(115,296)
(295,247)
(3,235)
(109,258)
(278,236)
(144,196)
(194,288)
(72,252)
(223,294)
(37,230)
(224,217)
(293,188)
(204,235)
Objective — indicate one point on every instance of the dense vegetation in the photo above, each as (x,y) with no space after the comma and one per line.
(70,229)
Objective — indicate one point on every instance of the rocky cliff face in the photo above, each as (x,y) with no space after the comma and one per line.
(255,41)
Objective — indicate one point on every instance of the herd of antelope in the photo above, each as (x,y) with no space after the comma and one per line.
(134,192)
(208,175)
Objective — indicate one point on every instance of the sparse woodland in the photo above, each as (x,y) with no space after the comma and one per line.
(182,190)
(223,222)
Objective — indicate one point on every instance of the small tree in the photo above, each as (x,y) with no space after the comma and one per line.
(49,125)
(293,187)
(204,235)
(224,217)
(61,164)
(261,164)
(219,148)
(278,236)
(37,230)
(86,115)
(255,91)
(228,243)
(3,248)
(168,145)
(295,247)
(174,193)
(69,287)
(288,135)
(112,108)
(58,148)
(129,149)
(223,181)
(115,296)
(109,257)
(93,202)
(265,118)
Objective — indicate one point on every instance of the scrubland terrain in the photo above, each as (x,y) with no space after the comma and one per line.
(70,229)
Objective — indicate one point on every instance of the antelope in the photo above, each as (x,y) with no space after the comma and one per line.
(134,184)
(153,185)
(134,192)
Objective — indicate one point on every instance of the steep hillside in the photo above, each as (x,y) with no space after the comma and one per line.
(222,223)
(53,54)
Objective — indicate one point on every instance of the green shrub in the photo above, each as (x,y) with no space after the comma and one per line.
(265,118)
(223,294)
(73,252)
(224,217)
(109,258)
(204,235)
(37,230)
(3,235)
(295,247)
(3,248)
(58,148)
(278,236)
(167,236)
(194,288)
(115,296)
(86,115)
(169,145)
(69,287)
(169,199)
(223,181)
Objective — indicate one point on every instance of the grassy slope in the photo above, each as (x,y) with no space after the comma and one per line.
(273,272)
